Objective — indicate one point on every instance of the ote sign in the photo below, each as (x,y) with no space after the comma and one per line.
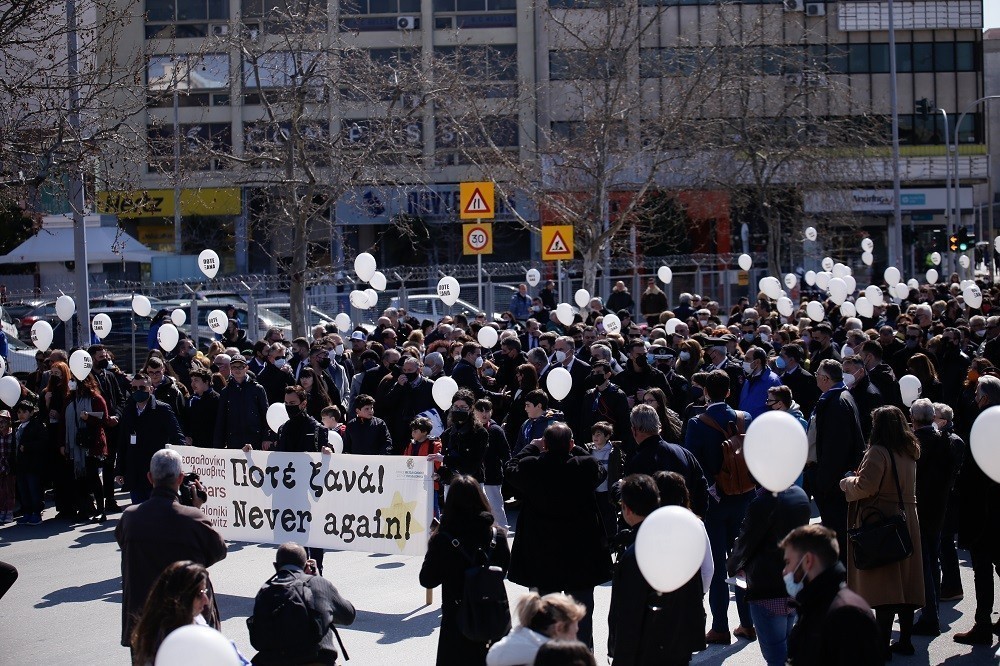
(476,201)
(477,238)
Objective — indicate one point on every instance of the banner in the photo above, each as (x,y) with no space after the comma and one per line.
(374,504)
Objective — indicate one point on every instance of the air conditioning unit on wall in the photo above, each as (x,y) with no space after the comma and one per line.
(406,23)
(795,5)
(815,9)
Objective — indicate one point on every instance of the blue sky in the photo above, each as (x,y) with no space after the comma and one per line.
(991,14)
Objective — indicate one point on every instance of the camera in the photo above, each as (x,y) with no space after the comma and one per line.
(189,490)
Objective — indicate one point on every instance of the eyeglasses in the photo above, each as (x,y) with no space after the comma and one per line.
(203,591)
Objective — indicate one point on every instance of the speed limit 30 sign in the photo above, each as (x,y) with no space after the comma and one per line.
(477,238)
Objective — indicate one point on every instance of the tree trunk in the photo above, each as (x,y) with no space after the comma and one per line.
(297,289)
(591,257)
(773,223)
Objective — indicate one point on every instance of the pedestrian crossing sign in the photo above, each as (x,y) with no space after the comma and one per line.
(476,201)
(557,242)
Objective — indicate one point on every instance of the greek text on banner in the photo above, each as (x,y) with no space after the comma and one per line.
(375,504)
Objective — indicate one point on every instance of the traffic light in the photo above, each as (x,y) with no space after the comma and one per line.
(964,242)
(924,106)
(953,242)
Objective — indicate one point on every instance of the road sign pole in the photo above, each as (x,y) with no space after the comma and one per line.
(479,277)
(559,279)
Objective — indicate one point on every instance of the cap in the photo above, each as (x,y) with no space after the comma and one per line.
(239,358)
(822,327)
(4,414)
(660,352)
(357,335)
(24,406)
(622,314)
(716,342)
(728,337)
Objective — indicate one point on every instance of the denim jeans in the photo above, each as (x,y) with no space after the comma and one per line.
(723,526)
(772,633)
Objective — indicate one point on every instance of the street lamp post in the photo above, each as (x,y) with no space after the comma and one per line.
(896,228)
(947,187)
(957,218)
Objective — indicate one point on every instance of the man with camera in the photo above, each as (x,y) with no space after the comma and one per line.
(160,531)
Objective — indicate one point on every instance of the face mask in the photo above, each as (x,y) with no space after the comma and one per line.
(103,364)
(460,417)
(765,338)
(560,356)
(846,351)
(324,363)
(426,371)
(536,308)
(293,410)
(806,340)
(338,350)
(748,337)
(140,396)
(650,359)
(791,586)
(910,344)
(479,361)
(747,368)
(849,381)
(72,385)
(489,372)
(815,345)
(703,322)
(780,363)
(698,392)
(280,363)
(685,356)
(979,334)
(411,376)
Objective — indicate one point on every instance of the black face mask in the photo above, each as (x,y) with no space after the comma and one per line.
(411,376)
(641,361)
(460,418)
(324,363)
(815,345)
(293,410)
(103,364)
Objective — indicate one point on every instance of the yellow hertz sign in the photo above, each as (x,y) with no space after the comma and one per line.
(160,203)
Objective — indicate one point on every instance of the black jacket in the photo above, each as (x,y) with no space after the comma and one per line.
(367,439)
(867,397)
(31,438)
(937,469)
(200,416)
(631,380)
(170,394)
(497,455)
(464,449)
(609,405)
(768,520)
(653,455)
(835,626)
(401,404)
(883,377)
(274,380)
(242,417)
(467,376)
(156,427)
(804,389)
(572,405)
(333,608)
(302,433)
(840,443)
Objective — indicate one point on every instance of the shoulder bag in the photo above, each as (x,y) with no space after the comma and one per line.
(881,540)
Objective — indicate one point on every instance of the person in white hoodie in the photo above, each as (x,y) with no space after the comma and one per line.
(555,616)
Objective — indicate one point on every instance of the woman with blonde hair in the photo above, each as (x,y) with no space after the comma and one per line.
(540,619)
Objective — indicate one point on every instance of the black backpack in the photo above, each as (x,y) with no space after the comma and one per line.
(283,617)
(484,614)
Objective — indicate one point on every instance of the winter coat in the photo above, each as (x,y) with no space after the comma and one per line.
(653,455)
(518,648)
(155,428)
(170,394)
(302,433)
(31,439)
(937,470)
(402,404)
(839,440)
(200,417)
(242,415)
(559,522)
(445,565)
(93,435)
(874,488)
(367,438)
(497,455)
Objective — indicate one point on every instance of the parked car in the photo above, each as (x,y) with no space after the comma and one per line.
(430,306)
(284,309)
(20,358)
(266,318)
(42,311)
(8,324)
(120,301)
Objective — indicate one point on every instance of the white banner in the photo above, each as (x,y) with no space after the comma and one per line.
(374,504)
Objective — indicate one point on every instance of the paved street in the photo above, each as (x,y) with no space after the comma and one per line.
(65,606)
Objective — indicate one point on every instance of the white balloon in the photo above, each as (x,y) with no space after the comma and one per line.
(936,258)
(581,297)
(665,274)
(558,383)
(343,322)
(963,261)
(533,277)
(909,389)
(852,284)
(335,441)
(80,364)
(838,290)
(443,391)
(785,306)
(65,307)
(827,264)
(964,283)
(359,299)
(3,366)
(277,416)
(671,325)
(983,442)
(996,243)
(811,233)
(823,279)
(670,547)
(488,337)
(810,278)
(815,311)
(745,261)
(864,307)
(791,280)
(611,323)
(141,305)
(448,290)
(875,295)
(208,262)
(178,317)
(901,290)
(770,286)
(364,266)
(167,336)
(912,283)
(378,281)
(218,321)
(973,296)
(891,275)
(101,325)
(867,245)
(41,334)
(196,645)
(847,309)
(868,258)
(776,449)
(10,390)
(372,297)
(840,270)
(564,313)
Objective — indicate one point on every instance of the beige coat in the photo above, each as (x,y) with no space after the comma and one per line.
(901,582)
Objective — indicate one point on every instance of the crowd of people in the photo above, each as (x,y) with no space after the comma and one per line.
(646,422)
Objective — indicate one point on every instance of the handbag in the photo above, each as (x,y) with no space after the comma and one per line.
(885,540)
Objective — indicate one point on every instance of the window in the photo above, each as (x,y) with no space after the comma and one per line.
(475,14)
(923,57)
(281,69)
(493,69)
(944,57)
(965,57)
(203,146)
(911,57)
(579,64)
(285,16)
(166,19)
(195,77)
(361,7)
(454,139)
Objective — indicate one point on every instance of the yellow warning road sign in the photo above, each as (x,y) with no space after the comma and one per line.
(476,201)
(557,242)
(477,238)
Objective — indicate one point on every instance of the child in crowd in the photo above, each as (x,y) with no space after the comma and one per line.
(422,445)
(609,458)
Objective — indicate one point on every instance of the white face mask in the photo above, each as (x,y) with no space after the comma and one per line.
(685,356)
(427,371)
(72,385)
(765,338)
(747,367)
(846,351)
(791,586)
(339,350)
(479,361)
(849,381)
(280,363)
(560,356)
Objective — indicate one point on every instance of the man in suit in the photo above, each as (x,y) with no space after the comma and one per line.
(840,444)
(865,393)
(572,405)
(508,359)
(821,345)
(879,372)
(718,359)
(798,379)
(530,338)
(607,402)
(466,372)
